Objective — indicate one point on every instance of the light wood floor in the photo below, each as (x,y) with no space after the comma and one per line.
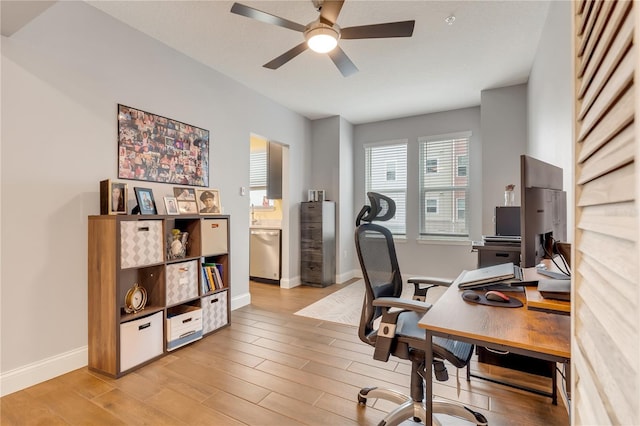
(269,367)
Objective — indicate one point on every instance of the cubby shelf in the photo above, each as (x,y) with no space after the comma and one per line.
(128,249)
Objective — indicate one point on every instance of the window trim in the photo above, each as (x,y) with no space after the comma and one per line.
(395,185)
(422,193)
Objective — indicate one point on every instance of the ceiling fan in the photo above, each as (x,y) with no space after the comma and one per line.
(322,35)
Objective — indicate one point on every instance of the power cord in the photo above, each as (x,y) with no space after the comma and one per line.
(566,270)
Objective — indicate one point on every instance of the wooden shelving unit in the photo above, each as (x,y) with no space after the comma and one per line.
(128,249)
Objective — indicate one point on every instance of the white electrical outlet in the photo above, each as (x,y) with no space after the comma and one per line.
(243,190)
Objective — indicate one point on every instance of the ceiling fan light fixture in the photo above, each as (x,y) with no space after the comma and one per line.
(322,39)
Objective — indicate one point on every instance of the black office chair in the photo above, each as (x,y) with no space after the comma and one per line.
(398,333)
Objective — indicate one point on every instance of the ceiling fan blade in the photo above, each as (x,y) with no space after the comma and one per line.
(286,56)
(390,29)
(330,10)
(343,62)
(268,18)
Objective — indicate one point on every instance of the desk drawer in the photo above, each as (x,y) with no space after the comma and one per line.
(516,362)
(490,257)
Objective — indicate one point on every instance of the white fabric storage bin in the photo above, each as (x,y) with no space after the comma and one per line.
(184,325)
(140,243)
(214,237)
(140,340)
(214,309)
(182,281)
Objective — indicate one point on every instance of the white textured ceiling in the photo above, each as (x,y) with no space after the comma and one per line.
(491,44)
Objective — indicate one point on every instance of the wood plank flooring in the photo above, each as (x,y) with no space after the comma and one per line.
(269,367)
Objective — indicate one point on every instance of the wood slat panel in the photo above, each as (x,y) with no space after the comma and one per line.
(589,408)
(618,152)
(588,67)
(619,48)
(592,340)
(613,220)
(616,85)
(590,23)
(616,119)
(582,24)
(615,187)
(612,255)
(605,302)
(599,26)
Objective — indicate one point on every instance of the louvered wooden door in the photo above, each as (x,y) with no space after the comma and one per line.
(605,311)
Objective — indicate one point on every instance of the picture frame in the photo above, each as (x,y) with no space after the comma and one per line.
(146,202)
(186,198)
(158,149)
(113,197)
(171,205)
(208,201)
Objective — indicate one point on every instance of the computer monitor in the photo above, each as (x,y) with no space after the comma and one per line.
(543,211)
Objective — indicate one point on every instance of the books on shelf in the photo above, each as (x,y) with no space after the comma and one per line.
(212,274)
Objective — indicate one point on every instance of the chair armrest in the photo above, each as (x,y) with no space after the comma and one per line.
(430,280)
(407,304)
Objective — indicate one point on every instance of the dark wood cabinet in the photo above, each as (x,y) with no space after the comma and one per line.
(318,243)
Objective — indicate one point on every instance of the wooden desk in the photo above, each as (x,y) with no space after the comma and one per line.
(535,299)
(523,331)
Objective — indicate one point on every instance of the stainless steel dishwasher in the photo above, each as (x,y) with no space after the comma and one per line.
(264,255)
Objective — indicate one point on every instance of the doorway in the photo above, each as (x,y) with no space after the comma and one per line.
(268,211)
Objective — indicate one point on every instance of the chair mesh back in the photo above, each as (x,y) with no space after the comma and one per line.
(379,265)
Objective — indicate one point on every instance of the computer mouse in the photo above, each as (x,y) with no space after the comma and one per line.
(496,296)
(471,296)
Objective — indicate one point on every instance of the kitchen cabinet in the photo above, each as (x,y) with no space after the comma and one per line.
(274,171)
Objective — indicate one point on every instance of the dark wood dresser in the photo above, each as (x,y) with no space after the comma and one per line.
(318,243)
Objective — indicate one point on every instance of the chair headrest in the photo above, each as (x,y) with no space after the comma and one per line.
(381,208)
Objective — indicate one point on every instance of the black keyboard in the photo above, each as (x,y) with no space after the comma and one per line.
(554,275)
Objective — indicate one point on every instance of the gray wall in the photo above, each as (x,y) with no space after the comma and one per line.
(550,99)
(347,263)
(443,258)
(332,170)
(62,77)
(504,136)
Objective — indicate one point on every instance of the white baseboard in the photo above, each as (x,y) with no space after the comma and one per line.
(290,282)
(240,301)
(346,276)
(38,372)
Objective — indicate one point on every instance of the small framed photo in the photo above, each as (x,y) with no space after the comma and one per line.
(208,201)
(186,199)
(146,202)
(113,197)
(171,204)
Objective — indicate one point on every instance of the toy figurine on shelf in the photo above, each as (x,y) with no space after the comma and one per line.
(178,244)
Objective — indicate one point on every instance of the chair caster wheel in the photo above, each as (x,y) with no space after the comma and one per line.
(362,400)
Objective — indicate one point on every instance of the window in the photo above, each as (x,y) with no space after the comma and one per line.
(444,186)
(432,205)
(258,180)
(463,163)
(460,207)
(386,173)
(432,165)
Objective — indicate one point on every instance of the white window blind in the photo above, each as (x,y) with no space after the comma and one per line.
(258,170)
(386,173)
(444,186)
